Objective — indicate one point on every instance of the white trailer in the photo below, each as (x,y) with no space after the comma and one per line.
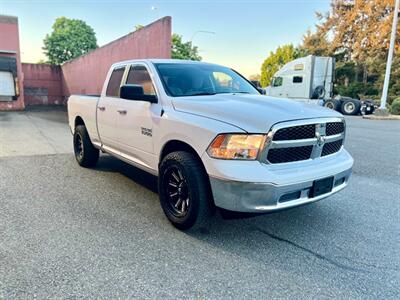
(310,79)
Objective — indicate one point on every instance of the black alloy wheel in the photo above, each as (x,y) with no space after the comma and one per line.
(85,153)
(177,192)
(78,146)
(184,190)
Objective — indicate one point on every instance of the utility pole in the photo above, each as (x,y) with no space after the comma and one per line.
(200,31)
(396,13)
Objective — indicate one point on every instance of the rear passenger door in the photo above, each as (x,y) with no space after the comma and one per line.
(107,110)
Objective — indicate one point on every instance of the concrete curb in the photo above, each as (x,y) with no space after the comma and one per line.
(375,117)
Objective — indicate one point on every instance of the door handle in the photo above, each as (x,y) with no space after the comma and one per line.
(122,112)
(101,108)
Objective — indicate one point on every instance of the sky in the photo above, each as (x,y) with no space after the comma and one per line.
(243,32)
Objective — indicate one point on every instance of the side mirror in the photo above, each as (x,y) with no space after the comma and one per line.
(135,92)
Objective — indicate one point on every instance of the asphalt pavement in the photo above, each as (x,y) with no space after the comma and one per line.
(70,232)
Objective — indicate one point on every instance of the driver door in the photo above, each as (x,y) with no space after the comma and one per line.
(135,119)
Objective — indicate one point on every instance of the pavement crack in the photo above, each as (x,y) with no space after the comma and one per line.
(46,138)
(315,254)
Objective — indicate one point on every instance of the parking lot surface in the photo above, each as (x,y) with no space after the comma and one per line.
(69,232)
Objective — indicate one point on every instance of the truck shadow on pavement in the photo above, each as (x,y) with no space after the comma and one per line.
(107,163)
(308,231)
(295,220)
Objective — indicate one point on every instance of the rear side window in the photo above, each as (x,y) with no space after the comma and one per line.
(140,75)
(115,82)
(297,79)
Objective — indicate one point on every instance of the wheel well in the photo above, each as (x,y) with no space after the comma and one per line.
(176,145)
(79,121)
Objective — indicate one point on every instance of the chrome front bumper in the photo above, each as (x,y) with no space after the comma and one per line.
(255,187)
(267,197)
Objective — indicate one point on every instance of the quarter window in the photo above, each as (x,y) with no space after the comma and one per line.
(114,83)
(139,75)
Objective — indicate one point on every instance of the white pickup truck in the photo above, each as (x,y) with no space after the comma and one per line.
(211,138)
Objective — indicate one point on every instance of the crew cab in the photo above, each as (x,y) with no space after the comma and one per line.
(211,138)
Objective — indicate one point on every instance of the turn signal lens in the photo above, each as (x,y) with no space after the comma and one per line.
(236,146)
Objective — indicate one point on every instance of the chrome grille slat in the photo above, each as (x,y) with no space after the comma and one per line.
(304,139)
(293,143)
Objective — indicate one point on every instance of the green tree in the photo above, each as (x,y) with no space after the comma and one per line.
(139,26)
(316,43)
(181,50)
(70,38)
(276,60)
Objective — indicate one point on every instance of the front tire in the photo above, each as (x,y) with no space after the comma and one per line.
(85,153)
(184,191)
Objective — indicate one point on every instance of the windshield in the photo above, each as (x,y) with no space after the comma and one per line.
(201,79)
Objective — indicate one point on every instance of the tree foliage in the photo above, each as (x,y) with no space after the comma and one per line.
(316,44)
(276,60)
(183,50)
(70,38)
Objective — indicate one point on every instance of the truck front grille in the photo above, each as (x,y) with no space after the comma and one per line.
(330,148)
(291,141)
(333,128)
(295,133)
(283,155)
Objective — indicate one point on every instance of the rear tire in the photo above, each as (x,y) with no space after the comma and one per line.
(85,153)
(332,104)
(184,191)
(350,107)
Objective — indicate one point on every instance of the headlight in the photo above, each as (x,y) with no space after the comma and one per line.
(236,146)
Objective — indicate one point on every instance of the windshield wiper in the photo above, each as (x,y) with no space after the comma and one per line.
(202,94)
(233,92)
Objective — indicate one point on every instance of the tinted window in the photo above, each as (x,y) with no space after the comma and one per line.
(277,81)
(297,79)
(115,82)
(196,79)
(140,75)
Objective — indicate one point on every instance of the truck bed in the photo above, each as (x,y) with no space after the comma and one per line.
(85,107)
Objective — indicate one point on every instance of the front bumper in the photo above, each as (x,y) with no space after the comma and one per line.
(284,186)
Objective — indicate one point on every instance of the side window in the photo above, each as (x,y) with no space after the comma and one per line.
(297,79)
(140,75)
(277,81)
(115,82)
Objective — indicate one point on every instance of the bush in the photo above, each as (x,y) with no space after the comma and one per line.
(395,107)
(356,90)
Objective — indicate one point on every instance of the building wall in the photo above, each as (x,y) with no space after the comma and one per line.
(86,74)
(9,47)
(42,84)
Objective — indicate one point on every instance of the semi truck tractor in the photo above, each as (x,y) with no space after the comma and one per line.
(310,79)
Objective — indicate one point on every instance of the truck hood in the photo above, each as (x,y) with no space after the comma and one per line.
(252,113)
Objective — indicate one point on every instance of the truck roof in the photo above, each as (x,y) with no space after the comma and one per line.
(161,61)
